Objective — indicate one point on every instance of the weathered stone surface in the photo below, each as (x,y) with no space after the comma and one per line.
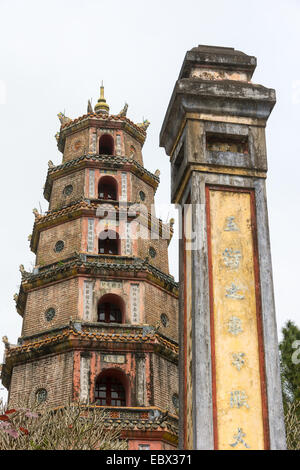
(214,133)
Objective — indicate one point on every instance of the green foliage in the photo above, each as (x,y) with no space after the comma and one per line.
(289,363)
(72,427)
(289,349)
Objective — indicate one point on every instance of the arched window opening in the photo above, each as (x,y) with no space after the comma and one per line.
(106,145)
(110,309)
(108,188)
(109,313)
(109,243)
(110,391)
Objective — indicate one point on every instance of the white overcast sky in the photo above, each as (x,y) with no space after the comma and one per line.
(53,56)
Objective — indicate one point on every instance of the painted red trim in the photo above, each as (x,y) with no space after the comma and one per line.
(212,323)
(186,367)
(261,352)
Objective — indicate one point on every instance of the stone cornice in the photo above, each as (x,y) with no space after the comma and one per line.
(98,161)
(75,336)
(164,426)
(222,98)
(86,207)
(96,339)
(54,217)
(95,264)
(21,301)
(111,333)
(121,267)
(138,421)
(100,120)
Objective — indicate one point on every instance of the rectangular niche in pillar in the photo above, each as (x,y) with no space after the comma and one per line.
(227,143)
(238,375)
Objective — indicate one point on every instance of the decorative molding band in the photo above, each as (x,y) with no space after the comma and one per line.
(94,161)
(221,170)
(85,207)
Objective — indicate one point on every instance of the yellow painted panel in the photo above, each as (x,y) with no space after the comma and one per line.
(238,387)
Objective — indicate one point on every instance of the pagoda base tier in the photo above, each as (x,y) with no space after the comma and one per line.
(67,362)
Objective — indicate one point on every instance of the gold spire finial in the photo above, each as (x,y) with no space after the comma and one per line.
(101,105)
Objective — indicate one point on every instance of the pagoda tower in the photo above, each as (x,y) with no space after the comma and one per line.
(100,308)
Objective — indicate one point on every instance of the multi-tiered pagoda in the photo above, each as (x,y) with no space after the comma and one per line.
(99,308)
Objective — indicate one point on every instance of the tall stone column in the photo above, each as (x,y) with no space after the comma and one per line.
(214,133)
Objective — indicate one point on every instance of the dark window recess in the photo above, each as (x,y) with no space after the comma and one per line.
(152,252)
(59,246)
(110,244)
(107,188)
(227,143)
(68,190)
(106,145)
(41,395)
(175,400)
(109,391)
(50,314)
(109,313)
(107,191)
(142,195)
(164,319)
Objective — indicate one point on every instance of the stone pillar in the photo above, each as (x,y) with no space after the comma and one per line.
(140,379)
(214,133)
(85,371)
